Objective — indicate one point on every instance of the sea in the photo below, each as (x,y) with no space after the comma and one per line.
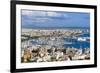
(79,44)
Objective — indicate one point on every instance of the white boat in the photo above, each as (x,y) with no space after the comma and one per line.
(81,39)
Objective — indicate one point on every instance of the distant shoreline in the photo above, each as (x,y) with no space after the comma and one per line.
(48,28)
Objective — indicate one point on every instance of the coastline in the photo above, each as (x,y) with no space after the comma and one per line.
(38,52)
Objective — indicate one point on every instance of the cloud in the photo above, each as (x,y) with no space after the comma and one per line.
(54,14)
(26,12)
(36,20)
(41,16)
(42,13)
(33,13)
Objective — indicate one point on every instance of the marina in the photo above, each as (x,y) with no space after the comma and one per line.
(48,36)
(55,45)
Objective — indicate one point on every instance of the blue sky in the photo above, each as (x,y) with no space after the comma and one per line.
(43,19)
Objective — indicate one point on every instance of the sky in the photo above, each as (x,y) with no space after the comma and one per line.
(56,19)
